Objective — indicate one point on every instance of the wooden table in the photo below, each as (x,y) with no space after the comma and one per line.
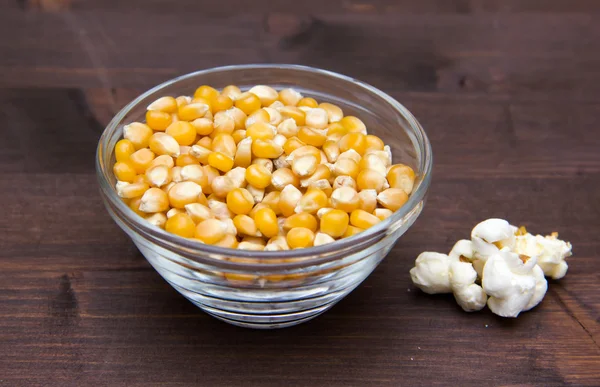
(508,91)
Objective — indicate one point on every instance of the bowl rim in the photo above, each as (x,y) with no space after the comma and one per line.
(193,249)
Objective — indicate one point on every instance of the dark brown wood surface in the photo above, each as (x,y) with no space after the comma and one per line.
(508,91)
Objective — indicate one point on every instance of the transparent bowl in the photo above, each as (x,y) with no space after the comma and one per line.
(273,289)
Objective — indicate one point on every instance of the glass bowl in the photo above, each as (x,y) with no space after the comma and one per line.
(273,289)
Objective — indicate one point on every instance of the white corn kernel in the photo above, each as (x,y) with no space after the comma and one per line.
(350,154)
(198,212)
(154,200)
(266,94)
(322,239)
(288,128)
(274,116)
(317,118)
(344,181)
(219,209)
(158,175)
(158,219)
(257,193)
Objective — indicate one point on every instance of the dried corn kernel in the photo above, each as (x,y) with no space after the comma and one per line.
(210,231)
(363,219)
(124,171)
(266,94)
(322,239)
(158,175)
(165,160)
(224,143)
(310,136)
(231,91)
(266,222)
(245,225)
(290,97)
(154,200)
(345,199)
(353,124)
(311,201)
(284,177)
(140,160)
(308,102)
(258,175)
(302,219)
(198,212)
(266,149)
(220,161)
(351,231)
(158,120)
(300,237)
(138,133)
(184,193)
(288,199)
(382,213)
(371,179)
(181,224)
(334,222)
(124,149)
(392,198)
(223,123)
(243,153)
(158,219)
(334,112)
(240,201)
(247,102)
(401,176)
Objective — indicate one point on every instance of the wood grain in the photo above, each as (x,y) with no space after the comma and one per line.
(508,92)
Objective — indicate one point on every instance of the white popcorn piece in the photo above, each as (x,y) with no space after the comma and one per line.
(549,251)
(467,293)
(512,283)
(490,236)
(430,273)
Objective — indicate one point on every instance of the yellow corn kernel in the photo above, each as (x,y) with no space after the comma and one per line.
(371,179)
(288,199)
(322,172)
(355,140)
(287,128)
(351,231)
(257,193)
(401,176)
(200,153)
(203,126)
(210,231)
(138,133)
(165,160)
(183,132)
(134,204)
(308,102)
(283,177)
(363,219)
(205,142)
(158,219)
(275,117)
(267,163)
(140,179)
(231,91)
(247,102)
(221,102)
(279,241)
(373,162)
(336,131)
(245,225)
(210,173)
(240,201)
(347,167)
(303,151)
(258,176)
(176,174)
(266,94)
(304,166)
(181,224)
(220,161)
(392,198)
(238,177)
(158,121)
(345,199)
(183,100)
(238,135)
(350,154)
(260,115)
(384,156)
(323,185)
(231,242)
(317,118)
(382,213)
(334,112)
(123,150)
(140,160)
(223,123)
(195,173)
(124,171)
(158,175)
(272,200)
(290,97)
(207,92)
(266,149)
(311,201)
(164,104)
(131,190)
(193,111)
(261,131)
(154,200)
(266,222)
(331,150)
(334,223)
(239,117)
(198,212)
(243,153)
(185,159)
(300,237)
(280,139)
(344,181)
(294,113)
(367,200)
(224,143)
(302,219)
(374,143)
(202,199)
(292,144)
(174,211)
(250,246)
(314,137)
(219,209)
(353,124)
(222,185)
(163,144)
(322,239)
(184,193)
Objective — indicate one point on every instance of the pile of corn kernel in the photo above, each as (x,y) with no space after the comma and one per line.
(257,170)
